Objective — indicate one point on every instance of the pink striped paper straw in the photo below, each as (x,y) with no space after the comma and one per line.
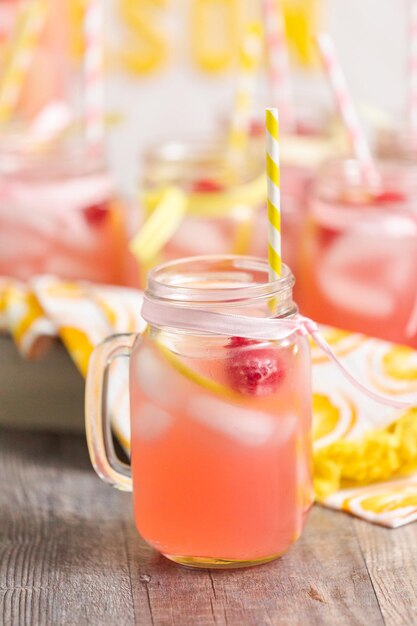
(278,62)
(347,109)
(412,74)
(94,74)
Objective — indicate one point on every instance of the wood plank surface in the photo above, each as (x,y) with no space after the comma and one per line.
(70,555)
(391,558)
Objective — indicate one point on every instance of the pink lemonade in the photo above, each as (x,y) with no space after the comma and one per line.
(220,426)
(8,10)
(359,254)
(214,223)
(61,217)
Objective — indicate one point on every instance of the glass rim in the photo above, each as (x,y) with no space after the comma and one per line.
(339,166)
(396,142)
(159,286)
(194,153)
(344,173)
(18,156)
(396,217)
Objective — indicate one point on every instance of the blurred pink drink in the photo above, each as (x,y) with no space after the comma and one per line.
(50,75)
(59,215)
(302,152)
(8,10)
(359,254)
(213,225)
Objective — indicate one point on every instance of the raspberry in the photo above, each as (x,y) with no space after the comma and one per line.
(390,196)
(256,128)
(96,213)
(304,129)
(206,185)
(253,371)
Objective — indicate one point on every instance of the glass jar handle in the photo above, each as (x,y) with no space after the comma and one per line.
(97,422)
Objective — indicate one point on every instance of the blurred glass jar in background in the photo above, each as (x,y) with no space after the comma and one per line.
(316,138)
(359,251)
(221,205)
(395,142)
(59,214)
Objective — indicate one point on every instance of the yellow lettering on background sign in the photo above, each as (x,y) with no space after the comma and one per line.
(76,14)
(147,49)
(214,33)
(301,24)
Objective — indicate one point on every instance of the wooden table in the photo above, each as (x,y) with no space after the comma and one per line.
(70,555)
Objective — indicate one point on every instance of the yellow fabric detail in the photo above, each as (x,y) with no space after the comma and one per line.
(380,455)
(79,346)
(33,312)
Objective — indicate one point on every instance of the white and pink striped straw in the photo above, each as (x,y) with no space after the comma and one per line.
(278,62)
(412,70)
(94,75)
(347,110)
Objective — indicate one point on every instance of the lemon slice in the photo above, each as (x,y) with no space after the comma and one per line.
(161,224)
(193,376)
(221,203)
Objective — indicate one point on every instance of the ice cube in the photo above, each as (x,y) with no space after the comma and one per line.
(156,378)
(247,426)
(152,422)
(200,236)
(361,275)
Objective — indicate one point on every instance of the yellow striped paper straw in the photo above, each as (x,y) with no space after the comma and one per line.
(249,61)
(29,26)
(274,194)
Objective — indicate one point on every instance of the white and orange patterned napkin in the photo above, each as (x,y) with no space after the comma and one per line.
(360,444)
(365,454)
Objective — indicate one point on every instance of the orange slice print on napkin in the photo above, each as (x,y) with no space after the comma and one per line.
(393,369)
(341,341)
(78,345)
(391,502)
(334,417)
